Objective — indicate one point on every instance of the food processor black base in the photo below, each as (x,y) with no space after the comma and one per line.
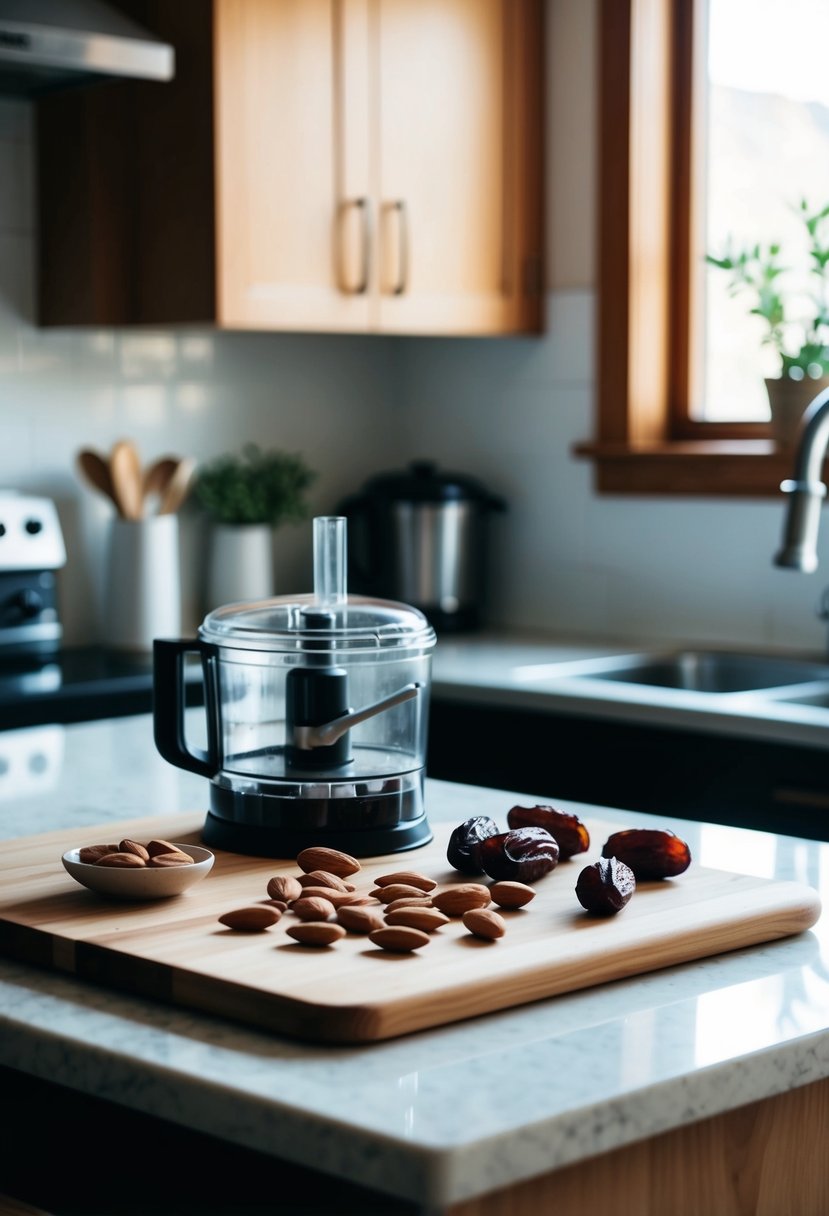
(265,825)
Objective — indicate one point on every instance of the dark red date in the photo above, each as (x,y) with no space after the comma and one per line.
(464,849)
(568,830)
(649,852)
(525,854)
(605,887)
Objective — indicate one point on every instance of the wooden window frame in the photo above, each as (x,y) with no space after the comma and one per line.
(645,439)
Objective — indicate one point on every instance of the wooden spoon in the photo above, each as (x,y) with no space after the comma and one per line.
(125,470)
(94,469)
(178,486)
(157,476)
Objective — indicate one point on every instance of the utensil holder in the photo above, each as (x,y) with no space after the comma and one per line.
(143,586)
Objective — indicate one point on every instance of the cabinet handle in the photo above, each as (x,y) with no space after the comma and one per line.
(399,205)
(361,286)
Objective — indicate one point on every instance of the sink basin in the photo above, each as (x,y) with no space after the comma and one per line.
(818,700)
(690,670)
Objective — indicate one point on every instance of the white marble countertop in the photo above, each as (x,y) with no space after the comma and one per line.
(549,673)
(442,1115)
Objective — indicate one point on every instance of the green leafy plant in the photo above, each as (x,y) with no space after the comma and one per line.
(254,487)
(803,343)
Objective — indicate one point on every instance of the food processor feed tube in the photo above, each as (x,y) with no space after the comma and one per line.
(291,762)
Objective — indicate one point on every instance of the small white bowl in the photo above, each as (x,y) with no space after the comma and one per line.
(141,882)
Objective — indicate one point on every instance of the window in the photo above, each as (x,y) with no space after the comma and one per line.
(660,426)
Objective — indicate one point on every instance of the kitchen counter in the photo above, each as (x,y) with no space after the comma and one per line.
(547,673)
(505,1104)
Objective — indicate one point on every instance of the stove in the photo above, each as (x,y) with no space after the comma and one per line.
(32,550)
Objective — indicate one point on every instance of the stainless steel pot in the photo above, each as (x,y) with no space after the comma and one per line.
(420,536)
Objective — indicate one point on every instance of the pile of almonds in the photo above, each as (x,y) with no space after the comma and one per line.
(132,854)
(404,908)
(399,913)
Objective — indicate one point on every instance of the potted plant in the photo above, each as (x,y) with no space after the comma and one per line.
(801,342)
(247,495)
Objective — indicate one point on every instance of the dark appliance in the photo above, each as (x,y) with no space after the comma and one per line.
(316,716)
(420,536)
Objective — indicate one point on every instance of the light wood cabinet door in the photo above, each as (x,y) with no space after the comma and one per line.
(449,242)
(291,164)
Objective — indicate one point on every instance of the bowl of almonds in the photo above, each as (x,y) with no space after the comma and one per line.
(138,870)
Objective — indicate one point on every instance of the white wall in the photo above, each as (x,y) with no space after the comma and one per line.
(505,410)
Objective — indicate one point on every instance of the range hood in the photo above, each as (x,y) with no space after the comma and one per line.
(47,45)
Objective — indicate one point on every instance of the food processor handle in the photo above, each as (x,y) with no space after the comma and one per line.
(169,703)
(329,732)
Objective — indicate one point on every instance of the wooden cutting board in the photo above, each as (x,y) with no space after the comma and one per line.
(176,951)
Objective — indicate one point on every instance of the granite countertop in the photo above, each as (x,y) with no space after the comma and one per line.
(443,1115)
(550,673)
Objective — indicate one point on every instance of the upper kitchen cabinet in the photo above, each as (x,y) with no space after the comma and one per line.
(356,166)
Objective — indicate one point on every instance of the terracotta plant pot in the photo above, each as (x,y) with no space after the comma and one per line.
(787,400)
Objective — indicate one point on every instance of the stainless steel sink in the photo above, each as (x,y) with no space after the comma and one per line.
(691,670)
(817,700)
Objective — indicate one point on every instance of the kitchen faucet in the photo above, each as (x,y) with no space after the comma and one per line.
(806,490)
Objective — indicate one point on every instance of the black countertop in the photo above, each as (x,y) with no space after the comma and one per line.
(79,684)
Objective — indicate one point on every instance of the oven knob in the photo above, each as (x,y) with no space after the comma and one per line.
(28,603)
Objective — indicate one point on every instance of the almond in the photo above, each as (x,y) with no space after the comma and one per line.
(160,846)
(508,894)
(124,861)
(425,919)
(409,878)
(358,901)
(334,897)
(359,920)
(284,886)
(410,901)
(321,878)
(91,853)
(170,859)
(134,846)
(251,920)
(399,938)
(275,903)
(483,922)
(330,860)
(396,890)
(454,901)
(316,933)
(313,907)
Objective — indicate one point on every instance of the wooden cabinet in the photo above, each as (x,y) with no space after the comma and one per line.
(362,166)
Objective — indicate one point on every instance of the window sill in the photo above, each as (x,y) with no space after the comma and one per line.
(713,468)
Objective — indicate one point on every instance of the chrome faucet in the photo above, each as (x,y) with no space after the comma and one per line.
(806,490)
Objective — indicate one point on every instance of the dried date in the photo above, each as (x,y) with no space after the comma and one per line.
(605,887)
(524,854)
(567,829)
(464,849)
(649,852)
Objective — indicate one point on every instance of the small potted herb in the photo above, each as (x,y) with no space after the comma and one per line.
(247,496)
(801,342)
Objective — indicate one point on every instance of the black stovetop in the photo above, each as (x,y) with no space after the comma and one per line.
(77,684)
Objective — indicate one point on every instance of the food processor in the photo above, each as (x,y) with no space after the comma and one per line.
(316,712)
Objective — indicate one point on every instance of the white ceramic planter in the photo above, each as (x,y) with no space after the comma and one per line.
(143,584)
(240,564)
(787,400)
